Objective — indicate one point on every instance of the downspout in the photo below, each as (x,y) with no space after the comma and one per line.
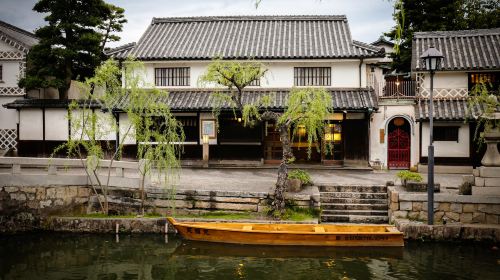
(360,64)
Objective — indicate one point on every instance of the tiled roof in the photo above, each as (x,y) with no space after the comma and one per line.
(259,37)
(44,103)
(200,99)
(120,52)
(446,110)
(22,36)
(462,50)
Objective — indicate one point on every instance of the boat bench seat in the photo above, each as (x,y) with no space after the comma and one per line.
(319,229)
(247,227)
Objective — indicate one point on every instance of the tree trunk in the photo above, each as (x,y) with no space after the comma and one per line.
(278,204)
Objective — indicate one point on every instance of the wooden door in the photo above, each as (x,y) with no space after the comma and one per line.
(398,149)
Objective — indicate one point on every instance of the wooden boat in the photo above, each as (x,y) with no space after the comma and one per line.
(291,234)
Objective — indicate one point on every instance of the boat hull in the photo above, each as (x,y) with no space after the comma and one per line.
(237,234)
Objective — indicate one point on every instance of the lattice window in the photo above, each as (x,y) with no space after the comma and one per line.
(11,55)
(312,76)
(8,139)
(11,91)
(172,76)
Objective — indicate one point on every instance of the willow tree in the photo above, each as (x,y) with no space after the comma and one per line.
(307,108)
(150,124)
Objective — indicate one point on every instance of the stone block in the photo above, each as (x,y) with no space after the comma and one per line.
(30,196)
(16,169)
(72,191)
(412,215)
(444,206)
(405,205)
(479,182)
(119,172)
(438,216)
(417,206)
(475,172)
(452,216)
(33,204)
(492,182)
(466,218)
(489,208)
(40,193)
(486,191)
(45,203)
(478,217)
(422,215)
(29,189)
(394,196)
(11,189)
(83,192)
(51,193)
(425,204)
(456,207)
(394,206)
(421,187)
(489,172)
(58,202)
(400,214)
(18,196)
(491,219)
(469,208)
(468,179)
(52,170)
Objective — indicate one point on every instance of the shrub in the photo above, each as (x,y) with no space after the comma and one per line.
(406,175)
(302,175)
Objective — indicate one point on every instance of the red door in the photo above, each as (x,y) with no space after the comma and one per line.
(399,149)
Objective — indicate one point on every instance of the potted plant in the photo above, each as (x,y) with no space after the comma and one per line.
(296,179)
(406,176)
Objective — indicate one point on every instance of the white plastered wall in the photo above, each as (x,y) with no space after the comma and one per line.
(454,80)
(380,120)
(56,124)
(8,117)
(31,124)
(345,73)
(124,127)
(447,148)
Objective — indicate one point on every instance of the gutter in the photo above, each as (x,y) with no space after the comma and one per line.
(360,64)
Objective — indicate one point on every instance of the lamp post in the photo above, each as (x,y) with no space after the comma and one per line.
(431,59)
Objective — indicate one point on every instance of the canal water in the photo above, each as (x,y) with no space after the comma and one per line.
(77,256)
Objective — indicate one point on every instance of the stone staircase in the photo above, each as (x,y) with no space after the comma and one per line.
(354,204)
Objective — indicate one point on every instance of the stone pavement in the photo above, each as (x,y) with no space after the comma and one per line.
(263,180)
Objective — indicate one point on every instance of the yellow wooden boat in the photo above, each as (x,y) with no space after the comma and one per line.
(291,234)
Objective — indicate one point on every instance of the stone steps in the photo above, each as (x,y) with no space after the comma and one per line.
(358,189)
(354,204)
(361,206)
(354,219)
(356,195)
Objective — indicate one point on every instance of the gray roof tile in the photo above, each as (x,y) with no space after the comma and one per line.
(446,110)
(462,50)
(259,37)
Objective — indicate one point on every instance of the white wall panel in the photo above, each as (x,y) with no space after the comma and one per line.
(56,124)
(31,124)
(447,148)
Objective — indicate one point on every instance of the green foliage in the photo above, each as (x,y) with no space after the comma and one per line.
(300,174)
(69,45)
(112,24)
(149,120)
(483,95)
(405,175)
(435,15)
(307,108)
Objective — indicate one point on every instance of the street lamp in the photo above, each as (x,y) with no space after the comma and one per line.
(431,59)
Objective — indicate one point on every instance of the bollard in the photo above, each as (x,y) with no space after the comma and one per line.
(117,228)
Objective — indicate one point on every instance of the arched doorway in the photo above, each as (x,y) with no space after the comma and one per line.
(398,144)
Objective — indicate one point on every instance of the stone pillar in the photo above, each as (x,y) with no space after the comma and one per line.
(487,177)
(491,156)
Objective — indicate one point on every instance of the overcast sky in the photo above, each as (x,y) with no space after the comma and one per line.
(368,19)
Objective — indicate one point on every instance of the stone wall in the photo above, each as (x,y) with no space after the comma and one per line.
(22,207)
(463,209)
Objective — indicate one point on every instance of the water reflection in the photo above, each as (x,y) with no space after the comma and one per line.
(68,256)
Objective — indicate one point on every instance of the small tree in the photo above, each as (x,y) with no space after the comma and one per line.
(307,108)
(151,123)
(484,96)
(112,24)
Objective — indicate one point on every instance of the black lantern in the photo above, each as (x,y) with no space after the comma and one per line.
(432,59)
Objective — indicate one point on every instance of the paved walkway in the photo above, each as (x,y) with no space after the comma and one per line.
(262,180)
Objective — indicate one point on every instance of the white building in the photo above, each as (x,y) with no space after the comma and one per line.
(14,46)
(297,50)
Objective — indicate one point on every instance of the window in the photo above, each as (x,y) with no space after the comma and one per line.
(491,79)
(177,76)
(446,133)
(312,76)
